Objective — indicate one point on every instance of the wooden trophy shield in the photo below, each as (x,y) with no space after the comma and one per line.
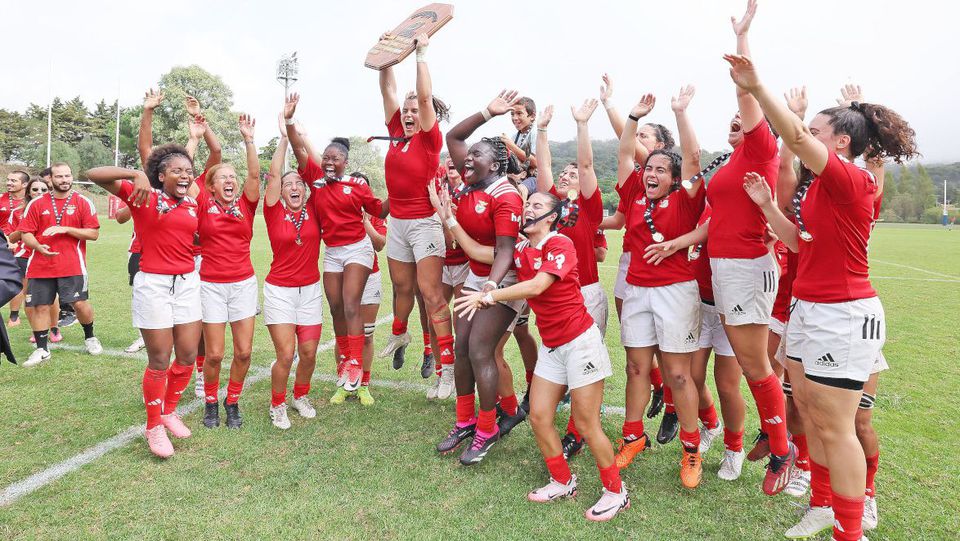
(392,51)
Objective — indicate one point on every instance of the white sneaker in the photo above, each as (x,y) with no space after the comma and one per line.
(814,521)
(136,346)
(799,483)
(278,416)
(432,390)
(554,490)
(707,436)
(36,357)
(303,407)
(446,385)
(198,384)
(395,342)
(93,345)
(871,515)
(731,465)
(609,504)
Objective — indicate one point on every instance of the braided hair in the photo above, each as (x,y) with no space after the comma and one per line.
(500,152)
(158,160)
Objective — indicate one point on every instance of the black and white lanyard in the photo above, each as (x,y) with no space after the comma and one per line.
(232,210)
(717,162)
(58,215)
(162,206)
(797,201)
(298,223)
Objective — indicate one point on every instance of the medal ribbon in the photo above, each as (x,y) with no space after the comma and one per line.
(58,215)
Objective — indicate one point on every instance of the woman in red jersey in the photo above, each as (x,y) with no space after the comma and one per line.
(837,325)
(292,293)
(572,355)
(415,247)
(661,306)
(166,291)
(339,202)
(488,210)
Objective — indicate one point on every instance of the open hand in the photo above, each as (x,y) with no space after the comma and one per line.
(290,105)
(797,100)
(743,25)
(849,94)
(680,102)
(193,105)
(742,71)
(247,126)
(757,188)
(644,106)
(45,250)
(152,99)
(503,102)
(585,111)
(606,89)
(656,253)
(544,118)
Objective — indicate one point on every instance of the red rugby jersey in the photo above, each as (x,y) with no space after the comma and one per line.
(583,234)
(225,236)
(489,213)
(339,205)
(409,167)
(294,264)
(166,239)
(75,210)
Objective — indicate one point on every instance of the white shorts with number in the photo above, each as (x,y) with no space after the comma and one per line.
(837,340)
(372,290)
(745,289)
(666,316)
(293,305)
(230,302)
(410,241)
(620,285)
(161,301)
(475,283)
(712,334)
(579,362)
(595,299)
(335,258)
(455,275)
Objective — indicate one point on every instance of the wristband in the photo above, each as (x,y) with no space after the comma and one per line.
(608,107)
(542,129)
(633,118)
(249,142)
(289,121)
(491,283)
(452,222)
(486,114)
(488,298)
(422,54)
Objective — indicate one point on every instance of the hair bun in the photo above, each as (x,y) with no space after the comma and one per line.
(341,141)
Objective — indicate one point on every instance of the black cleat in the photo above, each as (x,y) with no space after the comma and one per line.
(398,357)
(233,415)
(571,445)
(211,415)
(669,426)
(525,403)
(67,319)
(656,404)
(478,449)
(455,437)
(506,423)
(426,369)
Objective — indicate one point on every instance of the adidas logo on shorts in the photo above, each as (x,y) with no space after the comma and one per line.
(826,360)
(690,339)
(590,368)
(737,310)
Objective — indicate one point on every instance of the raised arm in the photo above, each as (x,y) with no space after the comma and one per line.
(616,121)
(293,135)
(272,192)
(151,100)
(457,136)
(213,145)
(750,112)
(758,190)
(109,178)
(388,89)
(787,175)
(196,126)
(626,156)
(615,221)
(689,146)
(251,186)
(588,177)
(795,135)
(425,110)
(544,159)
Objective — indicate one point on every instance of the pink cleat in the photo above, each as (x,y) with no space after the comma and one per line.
(554,490)
(159,442)
(56,337)
(175,425)
(352,374)
(609,504)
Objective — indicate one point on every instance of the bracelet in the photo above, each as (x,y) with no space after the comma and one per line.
(491,283)
(542,129)
(488,298)
(633,118)
(486,114)
(452,222)
(289,121)
(250,142)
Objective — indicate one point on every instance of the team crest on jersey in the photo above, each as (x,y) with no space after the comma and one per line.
(347,190)
(665,203)
(481,207)
(193,213)
(71,210)
(642,201)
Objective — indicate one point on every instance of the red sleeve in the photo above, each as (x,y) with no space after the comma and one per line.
(599,239)
(394,127)
(249,208)
(433,140)
(371,204)
(201,182)
(560,257)
(844,181)
(270,212)
(627,191)
(30,222)
(506,215)
(592,207)
(126,189)
(759,144)
(692,207)
(89,220)
(379,224)
(311,171)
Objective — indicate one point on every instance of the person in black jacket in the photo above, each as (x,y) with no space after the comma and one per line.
(10,285)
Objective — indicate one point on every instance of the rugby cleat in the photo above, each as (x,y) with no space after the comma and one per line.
(478,448)
(455,437)
(175,425)
(627,450)
(732,465)
(36,357)
(278,416)
(447,385)
(691,469)
(426,368)
(799,483)
(656,404)
(779,470)
(669,427)
(554,490)
(303,406)
(506,423)
(571,445)
(352,375)
(761,447)
(211,415)
(707,436)
(814,521)
(609,504)
(339,396)
(158,441)
(233,415)
(396,346)
(366,399)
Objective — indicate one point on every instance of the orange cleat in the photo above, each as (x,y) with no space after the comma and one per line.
(691,469)
(626,450)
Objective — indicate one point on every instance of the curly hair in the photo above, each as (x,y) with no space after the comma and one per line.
(342,144)
(158,160)
(675,161)
(875,130)
(439,106)
(662,134)
(500,152)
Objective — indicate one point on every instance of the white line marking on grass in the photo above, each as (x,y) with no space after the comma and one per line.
(957,281)
(140,355)
(918,269)
(38,480)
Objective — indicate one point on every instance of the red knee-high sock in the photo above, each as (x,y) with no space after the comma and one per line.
(234,388)
(427,350)
(768,394)
(343,345)
(365,380)
(820,491)
(690,440)
(210,390)
(529,378)
(632,430)
(559,469)
(847,518)
(487,422)
(873,462)
(399,326)
(356,347)
(708,416)
(200,359)
(668,400)
(154,385)
(278,398)
(509,404)
(301,390)
(445,343)
(610,477)
(733,441)
(178,377)
(803,453)
(572,429)
(466,410)
(656,378)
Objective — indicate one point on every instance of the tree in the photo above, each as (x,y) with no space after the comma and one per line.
(14,130)
(36,156)
(91,153)
(889,186)
(366,159)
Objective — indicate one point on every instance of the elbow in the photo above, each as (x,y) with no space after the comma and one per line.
(798,135)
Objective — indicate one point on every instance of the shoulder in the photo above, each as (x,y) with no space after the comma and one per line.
(502,189)
(86,200)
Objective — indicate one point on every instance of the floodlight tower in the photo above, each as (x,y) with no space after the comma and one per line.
(287,70)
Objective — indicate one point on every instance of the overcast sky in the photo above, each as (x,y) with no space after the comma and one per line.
(903,53)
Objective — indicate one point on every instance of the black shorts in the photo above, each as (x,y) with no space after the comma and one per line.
(133,266)
(22,263)
(43,291)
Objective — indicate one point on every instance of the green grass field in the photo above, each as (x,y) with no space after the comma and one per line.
(360,473)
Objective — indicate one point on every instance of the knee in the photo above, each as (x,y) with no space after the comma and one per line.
(677,379)
(351,311)
(242,356)
(541,420)
(461,350)
(634,370)
(214,358)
